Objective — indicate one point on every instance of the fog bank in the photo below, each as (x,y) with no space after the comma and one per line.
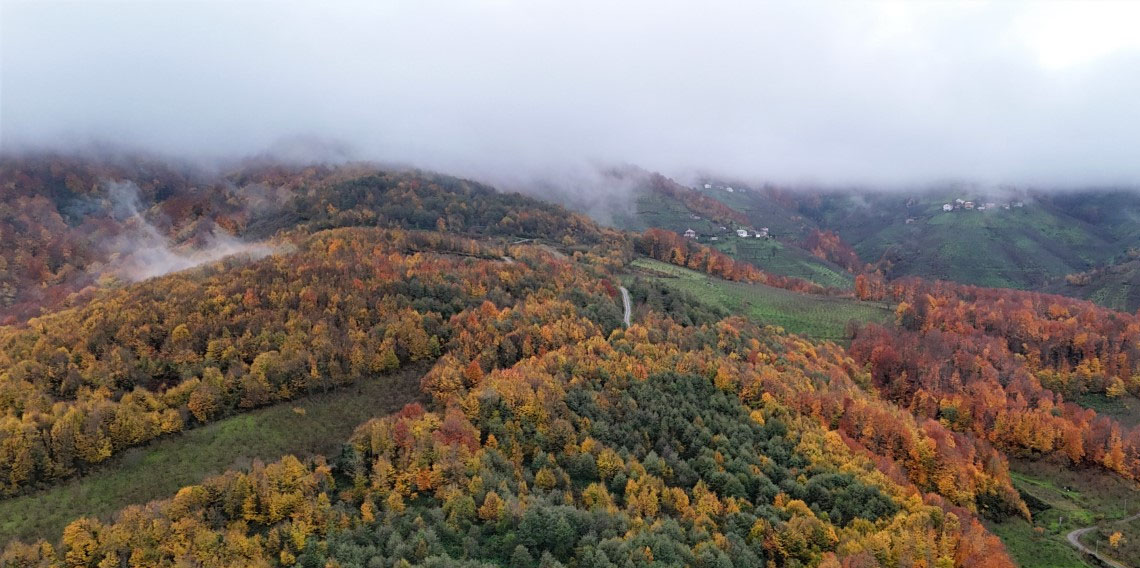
(807,92)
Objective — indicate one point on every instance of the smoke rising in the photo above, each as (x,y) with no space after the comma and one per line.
(140,251)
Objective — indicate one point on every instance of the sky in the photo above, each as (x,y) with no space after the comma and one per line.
(793,92)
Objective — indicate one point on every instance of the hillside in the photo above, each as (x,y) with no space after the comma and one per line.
(662,203)
(1115,286)
(724,427)
(1025,240)
(1019,247)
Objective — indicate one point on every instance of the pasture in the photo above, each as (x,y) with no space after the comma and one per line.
(812,316)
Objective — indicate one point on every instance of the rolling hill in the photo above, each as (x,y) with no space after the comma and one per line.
(505,415)
(1026,240)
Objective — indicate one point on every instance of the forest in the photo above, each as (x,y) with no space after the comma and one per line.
(551,434)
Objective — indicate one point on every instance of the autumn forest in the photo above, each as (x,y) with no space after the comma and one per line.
(544,432)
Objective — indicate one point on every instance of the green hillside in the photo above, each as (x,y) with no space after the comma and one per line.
(1019,247)
(770,255)
(775,257)
(1116,286)
(813,316)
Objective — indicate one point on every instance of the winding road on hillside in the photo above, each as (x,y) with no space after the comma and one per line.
(625,304)
(1075,540)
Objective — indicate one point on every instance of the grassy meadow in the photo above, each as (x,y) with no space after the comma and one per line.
(813,316)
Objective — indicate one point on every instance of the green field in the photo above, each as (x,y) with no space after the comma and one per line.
(813,316)
(159,469)
(775,257)
(1061,500)
(1014,248)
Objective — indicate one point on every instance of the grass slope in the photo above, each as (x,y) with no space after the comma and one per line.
(815,317)
(1020,247)
(775,257)
(769,255)
(1062,500)
(1116,286)
(159,469)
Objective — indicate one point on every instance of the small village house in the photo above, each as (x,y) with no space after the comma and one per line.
(690,234)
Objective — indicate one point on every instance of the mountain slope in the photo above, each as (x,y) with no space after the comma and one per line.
(551,434)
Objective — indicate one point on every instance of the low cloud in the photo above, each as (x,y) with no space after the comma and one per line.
(798,93)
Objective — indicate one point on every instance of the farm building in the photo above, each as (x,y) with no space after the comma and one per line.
(762,233)
(947,207)
(741,233)
(690,234)
(968,205)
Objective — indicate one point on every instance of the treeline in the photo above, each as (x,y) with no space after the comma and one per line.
(136,363)
(1006,365)
(670,247)
(659,445)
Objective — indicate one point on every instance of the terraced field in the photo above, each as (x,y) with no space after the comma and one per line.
(813,316)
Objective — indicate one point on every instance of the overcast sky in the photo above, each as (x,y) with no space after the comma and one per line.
(831,92)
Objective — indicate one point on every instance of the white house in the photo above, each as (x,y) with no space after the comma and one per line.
(968,205)
(708,186)
(763,232)
(729,189)
(690,234)
(947,207)
(741,233)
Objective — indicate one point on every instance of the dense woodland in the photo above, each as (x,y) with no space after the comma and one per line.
(535,460)
(1005,366)
(555,436)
